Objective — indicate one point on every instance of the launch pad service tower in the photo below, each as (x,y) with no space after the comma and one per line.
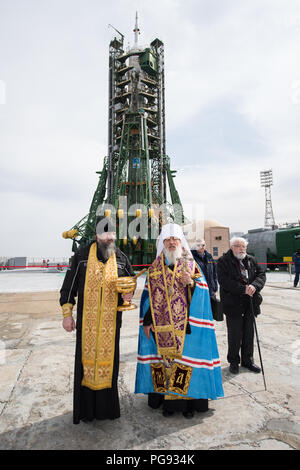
(136,178)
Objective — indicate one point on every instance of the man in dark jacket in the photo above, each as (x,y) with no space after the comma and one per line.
(241,279)
(92,279)
(296,260)
(207,265)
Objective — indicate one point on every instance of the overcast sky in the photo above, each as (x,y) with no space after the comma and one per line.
(232,100)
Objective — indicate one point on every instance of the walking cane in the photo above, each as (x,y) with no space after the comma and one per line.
(258,346)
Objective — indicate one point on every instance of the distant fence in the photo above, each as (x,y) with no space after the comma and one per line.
(58,265)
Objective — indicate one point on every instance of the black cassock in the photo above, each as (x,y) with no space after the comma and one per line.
(92,404)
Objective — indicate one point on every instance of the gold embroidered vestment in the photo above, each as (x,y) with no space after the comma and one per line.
(169,306)
(99,321)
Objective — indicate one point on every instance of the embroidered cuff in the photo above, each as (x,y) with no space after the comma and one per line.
(67,310)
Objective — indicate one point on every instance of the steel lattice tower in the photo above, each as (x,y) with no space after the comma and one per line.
(266,181)
(136,170)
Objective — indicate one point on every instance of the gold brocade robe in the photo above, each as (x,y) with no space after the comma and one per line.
(99,321)
(169,309)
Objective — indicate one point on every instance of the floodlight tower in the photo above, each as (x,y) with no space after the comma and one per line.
(266,181)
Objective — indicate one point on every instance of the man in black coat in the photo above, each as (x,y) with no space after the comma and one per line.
(207,265)
(240,279)
(91,278)
(296,261)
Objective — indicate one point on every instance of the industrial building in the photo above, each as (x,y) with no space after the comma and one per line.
(274,248)
(215,234)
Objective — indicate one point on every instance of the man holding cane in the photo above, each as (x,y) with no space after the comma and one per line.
(241,279)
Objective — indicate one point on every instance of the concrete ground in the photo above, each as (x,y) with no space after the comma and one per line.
(36,382)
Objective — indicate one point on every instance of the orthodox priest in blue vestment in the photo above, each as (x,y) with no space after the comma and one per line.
(178,363)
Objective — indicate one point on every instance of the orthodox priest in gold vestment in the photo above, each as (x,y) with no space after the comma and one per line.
(92,279)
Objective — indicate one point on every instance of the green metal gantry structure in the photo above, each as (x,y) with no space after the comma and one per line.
(136,172)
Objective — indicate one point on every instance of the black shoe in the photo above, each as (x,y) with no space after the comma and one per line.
(234,368)
(166,413)
(202,409)
(86,420)
(253,367)
(188,414)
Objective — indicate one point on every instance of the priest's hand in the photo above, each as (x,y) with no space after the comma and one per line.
(147,330)
(186,278)
(128,297)
(69,324)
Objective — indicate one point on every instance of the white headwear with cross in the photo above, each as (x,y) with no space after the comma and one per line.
(171,230)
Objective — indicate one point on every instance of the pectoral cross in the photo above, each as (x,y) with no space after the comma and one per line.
(185,263)
(185,260)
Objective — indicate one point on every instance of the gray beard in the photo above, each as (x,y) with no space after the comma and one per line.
(107,250)
(172,256)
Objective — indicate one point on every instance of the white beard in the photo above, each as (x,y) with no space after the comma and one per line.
(172,256)
(241,256)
